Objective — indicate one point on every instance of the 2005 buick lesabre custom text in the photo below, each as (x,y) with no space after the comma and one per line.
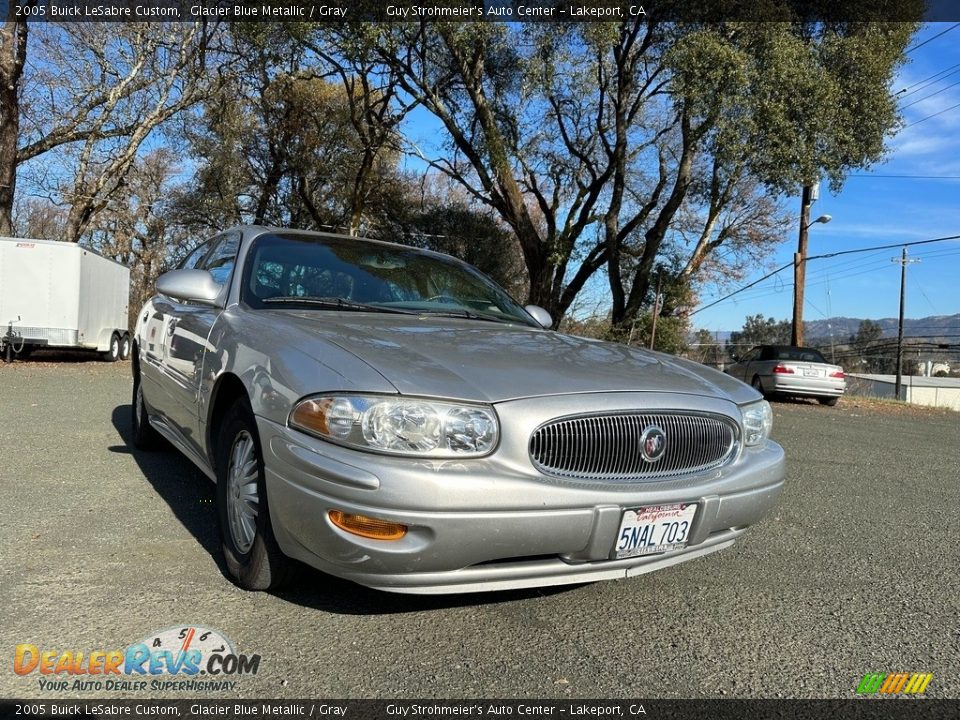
(391,416)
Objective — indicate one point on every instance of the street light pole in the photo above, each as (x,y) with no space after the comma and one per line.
(800,269)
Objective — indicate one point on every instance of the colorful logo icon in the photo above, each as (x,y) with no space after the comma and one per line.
(894,683)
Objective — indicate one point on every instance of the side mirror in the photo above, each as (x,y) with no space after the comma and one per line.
(734,357)
(189,286)
(540,315)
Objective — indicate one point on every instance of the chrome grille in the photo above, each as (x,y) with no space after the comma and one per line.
(608,447)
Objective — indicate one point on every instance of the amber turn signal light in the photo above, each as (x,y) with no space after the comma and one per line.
(367,527)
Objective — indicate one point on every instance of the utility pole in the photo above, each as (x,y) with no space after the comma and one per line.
(810,194)
(800,268)
(903,293)
(656,313)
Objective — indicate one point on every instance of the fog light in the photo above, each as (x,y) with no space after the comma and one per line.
(367,527)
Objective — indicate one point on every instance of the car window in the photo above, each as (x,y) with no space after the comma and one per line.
(222,258)
(751,355)
(800,355)
(768,353)
(293,266)
(192,260)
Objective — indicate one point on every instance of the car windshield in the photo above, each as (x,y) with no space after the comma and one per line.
(341,274)
(799,355)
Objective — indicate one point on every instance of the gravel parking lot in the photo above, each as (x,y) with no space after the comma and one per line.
(855,572)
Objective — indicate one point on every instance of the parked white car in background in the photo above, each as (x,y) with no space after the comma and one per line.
(789,370)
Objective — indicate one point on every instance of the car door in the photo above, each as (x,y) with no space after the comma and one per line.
(155,323)
(186,340)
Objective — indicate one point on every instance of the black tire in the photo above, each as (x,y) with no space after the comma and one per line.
(258,564)
(113,353)
(831,401)
(144,436)
(757,385)
(125,344)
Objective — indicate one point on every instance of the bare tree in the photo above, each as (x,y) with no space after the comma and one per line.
(13,56)
(118,83)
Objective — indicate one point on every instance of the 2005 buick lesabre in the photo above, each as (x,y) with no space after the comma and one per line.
(391,416)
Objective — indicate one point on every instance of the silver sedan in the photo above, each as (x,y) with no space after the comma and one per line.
(790,370)
(391,416)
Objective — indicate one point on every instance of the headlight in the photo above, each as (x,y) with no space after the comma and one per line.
(757,422)
(400,426)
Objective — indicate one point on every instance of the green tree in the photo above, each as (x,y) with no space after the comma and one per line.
(867,334)
(589,140)
(759,330)
(869,355)
(706,348)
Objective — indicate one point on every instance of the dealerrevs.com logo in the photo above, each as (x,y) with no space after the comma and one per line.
(191,658)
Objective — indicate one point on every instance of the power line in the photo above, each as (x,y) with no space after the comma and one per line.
(913,243)
(934,94)
(917,122)
(930,39)
(920,84)
(780,269)
(904,177)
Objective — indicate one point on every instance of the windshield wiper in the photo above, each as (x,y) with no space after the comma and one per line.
(335,303)
(469,315)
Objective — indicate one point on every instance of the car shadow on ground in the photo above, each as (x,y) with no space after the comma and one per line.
(61,356)
(797,400)
(190,495)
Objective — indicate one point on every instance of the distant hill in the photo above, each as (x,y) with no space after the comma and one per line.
(841,328)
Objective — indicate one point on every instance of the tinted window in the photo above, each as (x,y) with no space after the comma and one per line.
(359,271)
(190,262)
(799,355)
(222,258)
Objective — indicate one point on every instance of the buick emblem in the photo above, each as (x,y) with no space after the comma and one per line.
(653,443)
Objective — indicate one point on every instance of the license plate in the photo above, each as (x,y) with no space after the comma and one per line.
(811,373)
(653,530)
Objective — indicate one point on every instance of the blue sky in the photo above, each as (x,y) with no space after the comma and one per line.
(876,210)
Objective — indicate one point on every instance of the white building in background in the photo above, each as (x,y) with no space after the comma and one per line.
(931,368)
(941,392)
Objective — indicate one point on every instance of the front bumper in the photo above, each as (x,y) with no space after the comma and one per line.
(491,523)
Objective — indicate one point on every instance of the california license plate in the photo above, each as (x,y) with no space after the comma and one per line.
(653,530)
(811,373)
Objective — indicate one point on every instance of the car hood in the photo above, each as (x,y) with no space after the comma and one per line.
(492,362)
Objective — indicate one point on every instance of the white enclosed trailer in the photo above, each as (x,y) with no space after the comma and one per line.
(59,294)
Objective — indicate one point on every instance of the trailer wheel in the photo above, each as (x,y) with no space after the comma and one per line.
(125,346)
(113,354)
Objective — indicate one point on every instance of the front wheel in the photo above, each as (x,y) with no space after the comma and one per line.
(144,436)
(830,401)
(253,556)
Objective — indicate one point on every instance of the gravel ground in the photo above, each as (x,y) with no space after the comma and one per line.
(855,572)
